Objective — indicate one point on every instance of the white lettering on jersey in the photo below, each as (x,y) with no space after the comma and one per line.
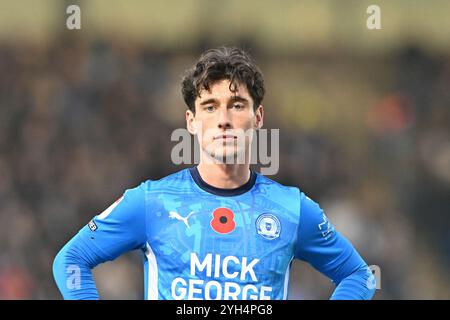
(207,263)
(225,267)
(208,290)
(195,262)
(231,291)
(180,293)
(217,266)
(248,268)
(195,288)
(245,291)
(326,227)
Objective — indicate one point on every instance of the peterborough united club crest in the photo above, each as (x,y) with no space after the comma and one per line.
(268,226)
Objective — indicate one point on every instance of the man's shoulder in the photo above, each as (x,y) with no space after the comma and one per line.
(288,191)
(277,190)
(263,180)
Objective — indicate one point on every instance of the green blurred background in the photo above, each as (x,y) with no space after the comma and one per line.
(364,119)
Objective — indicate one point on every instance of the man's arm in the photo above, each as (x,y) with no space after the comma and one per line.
(332,254)
(120,228)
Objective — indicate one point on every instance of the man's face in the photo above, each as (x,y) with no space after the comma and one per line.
(222,118)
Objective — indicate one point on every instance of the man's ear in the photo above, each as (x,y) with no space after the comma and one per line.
(190,122)
(259,117)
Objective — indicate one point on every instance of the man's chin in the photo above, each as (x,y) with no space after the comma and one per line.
(227,156)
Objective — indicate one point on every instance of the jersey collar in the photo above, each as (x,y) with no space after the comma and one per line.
(219,191)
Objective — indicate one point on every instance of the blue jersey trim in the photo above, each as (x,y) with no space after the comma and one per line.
(219,191)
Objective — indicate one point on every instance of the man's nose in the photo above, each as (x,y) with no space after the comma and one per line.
(224,119)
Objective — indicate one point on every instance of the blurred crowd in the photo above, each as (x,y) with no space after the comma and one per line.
(368,137)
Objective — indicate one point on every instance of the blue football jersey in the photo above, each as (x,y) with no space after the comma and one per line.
(202,242)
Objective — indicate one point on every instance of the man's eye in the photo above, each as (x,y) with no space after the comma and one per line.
(210,108)
(238,106)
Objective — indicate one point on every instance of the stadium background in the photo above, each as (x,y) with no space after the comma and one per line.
(364,118)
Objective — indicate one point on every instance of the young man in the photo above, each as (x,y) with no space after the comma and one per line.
(217,230)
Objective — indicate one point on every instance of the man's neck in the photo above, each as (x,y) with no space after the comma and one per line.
(224,176)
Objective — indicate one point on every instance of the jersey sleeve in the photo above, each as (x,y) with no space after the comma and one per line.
(120,228)
(329,252)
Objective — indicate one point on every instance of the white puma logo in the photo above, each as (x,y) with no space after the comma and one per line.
(175,215)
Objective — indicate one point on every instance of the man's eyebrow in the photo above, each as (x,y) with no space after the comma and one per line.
(233,99)
(239,99)
(208,101)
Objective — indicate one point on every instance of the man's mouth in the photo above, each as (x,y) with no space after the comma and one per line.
(225,137)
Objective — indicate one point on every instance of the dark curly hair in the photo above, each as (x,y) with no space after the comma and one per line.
(222,63)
